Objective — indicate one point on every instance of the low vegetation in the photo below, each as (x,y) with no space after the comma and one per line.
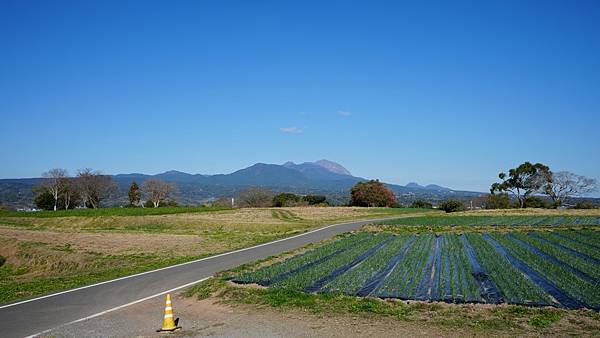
(516,320)
(50,251)
(451,206)
(471,267)
(101,212)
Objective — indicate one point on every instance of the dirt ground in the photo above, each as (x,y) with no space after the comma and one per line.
(209,318)
(110,243)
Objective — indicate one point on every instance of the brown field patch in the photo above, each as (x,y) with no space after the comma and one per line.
(112,243)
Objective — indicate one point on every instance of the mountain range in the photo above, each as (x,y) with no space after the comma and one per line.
(320,177)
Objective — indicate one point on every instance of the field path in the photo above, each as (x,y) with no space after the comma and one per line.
(41,315)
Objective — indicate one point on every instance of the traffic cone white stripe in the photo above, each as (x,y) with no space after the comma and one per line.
(168,322)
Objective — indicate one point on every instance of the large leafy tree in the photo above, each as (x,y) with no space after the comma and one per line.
(371,194)
(523,181)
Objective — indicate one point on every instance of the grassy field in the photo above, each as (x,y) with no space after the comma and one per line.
(49,251)
(441,287)
(109,212)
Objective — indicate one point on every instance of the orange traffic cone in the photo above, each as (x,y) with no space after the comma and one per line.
(169,324)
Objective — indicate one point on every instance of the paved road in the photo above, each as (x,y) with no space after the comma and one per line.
(44,313)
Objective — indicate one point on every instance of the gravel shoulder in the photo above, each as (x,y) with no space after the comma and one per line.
(209,318)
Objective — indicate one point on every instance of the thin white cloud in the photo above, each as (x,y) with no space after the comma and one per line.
(290,130)
(344,113)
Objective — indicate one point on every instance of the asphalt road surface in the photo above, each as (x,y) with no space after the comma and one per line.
(41,315)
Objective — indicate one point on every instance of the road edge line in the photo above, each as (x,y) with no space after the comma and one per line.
(190,262)
(120,307)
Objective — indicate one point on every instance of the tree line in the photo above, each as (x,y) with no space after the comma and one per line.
(531,185)
(528,183)
(258,197)
(90,188)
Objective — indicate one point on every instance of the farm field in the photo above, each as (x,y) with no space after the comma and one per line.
(558,268)
(516,220)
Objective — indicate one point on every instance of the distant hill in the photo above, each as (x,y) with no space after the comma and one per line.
(321,170)
(320,177)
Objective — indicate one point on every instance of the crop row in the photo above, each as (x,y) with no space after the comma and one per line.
(353,281)
(555,272)
(495,221)
(540,268)
(564,238)
(305,278)
(402,282)
(515,286)
(279,270)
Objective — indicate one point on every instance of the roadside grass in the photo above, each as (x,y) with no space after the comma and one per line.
(35,268)
(50,254)
(13,288)
(484,319)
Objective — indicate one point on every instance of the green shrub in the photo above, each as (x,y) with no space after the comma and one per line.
(315,199)
(537,202)
(545,318)
(451,206)
(584,205)
(285,199)
(2,260)
(421,204)
(497,201)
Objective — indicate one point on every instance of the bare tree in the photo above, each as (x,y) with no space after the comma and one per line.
(70,192)
(93,187)
(54,180)
(255,197)
(564,185)
(157,190)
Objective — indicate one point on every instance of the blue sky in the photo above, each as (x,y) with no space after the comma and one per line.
(434,92)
